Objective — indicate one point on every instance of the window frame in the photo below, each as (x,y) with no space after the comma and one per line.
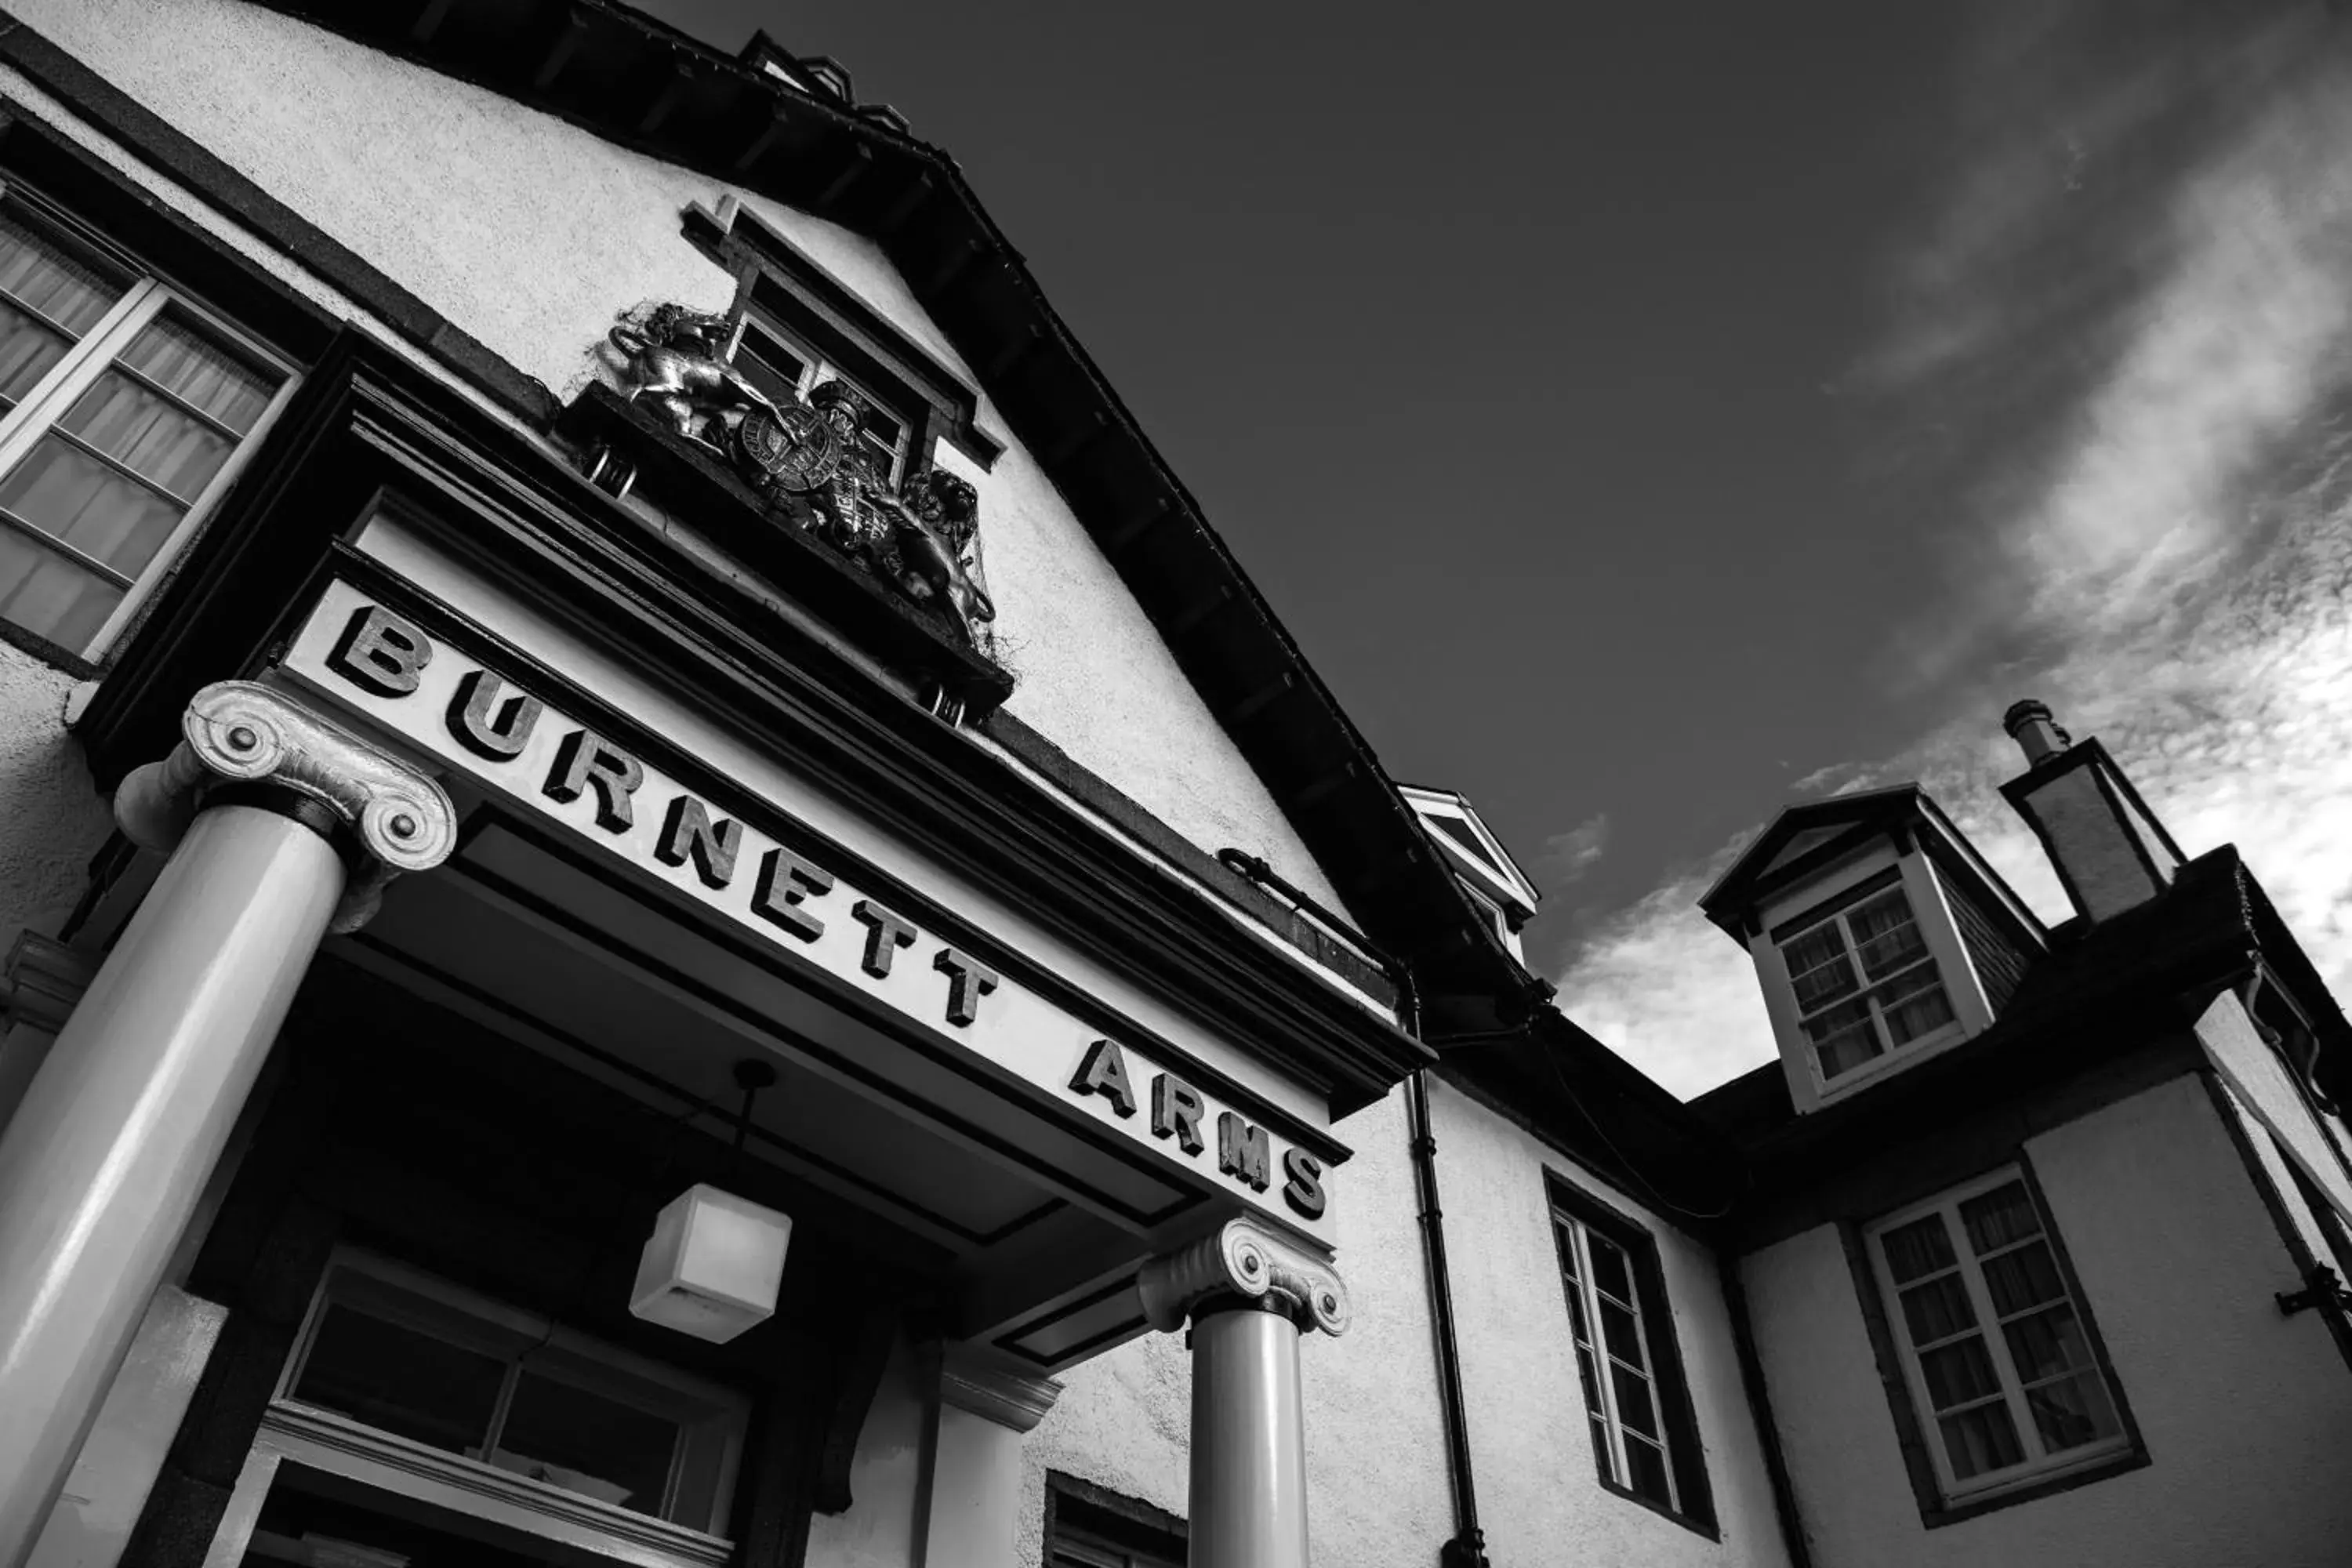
(151,293)
(1569,1211)
(1090,1526)
(774,278)
(494,1328)
(1942,1500)
(1835,909)
(815,370)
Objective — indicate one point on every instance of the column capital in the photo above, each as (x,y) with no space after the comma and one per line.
(240,732)
(988,1386)
(1241,1258)
(44,979)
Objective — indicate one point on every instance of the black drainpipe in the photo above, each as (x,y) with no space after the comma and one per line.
(1467,1549)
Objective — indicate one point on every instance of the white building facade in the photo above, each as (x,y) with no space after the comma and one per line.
(576,639)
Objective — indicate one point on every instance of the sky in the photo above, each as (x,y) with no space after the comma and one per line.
(1646,418)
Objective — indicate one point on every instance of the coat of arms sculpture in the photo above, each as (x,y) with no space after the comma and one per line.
(809,461)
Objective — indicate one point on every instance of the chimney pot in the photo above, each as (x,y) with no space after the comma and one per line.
(2037,734)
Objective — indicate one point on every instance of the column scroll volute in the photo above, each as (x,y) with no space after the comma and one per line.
(1240,1258)
(244,731)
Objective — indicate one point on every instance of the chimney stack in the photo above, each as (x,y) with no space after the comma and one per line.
(2107,847)
(2036,734)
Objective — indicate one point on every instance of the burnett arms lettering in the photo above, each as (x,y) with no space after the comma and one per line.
(484,721)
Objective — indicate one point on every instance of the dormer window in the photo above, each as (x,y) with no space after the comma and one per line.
(1865,983)
(1498,889)
(1881,938)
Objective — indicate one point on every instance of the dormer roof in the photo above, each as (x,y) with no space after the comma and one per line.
(1472,850)
(1806,839)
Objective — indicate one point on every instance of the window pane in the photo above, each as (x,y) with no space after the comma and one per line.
(67,287)
(402,1381)
(1813,949)
(1634,1406)
(2073,1411)
(49,596)
(1937,1310)
(1841,1053)
(1592,1381)
(587,1443)
(1876,916)
(28,350)
(1609,1270)
(2047,1344)
(883,429)
(771,367)
(1920,1247)
(1576,1313)
(1647,1462)
(1623,1338)
(1958,1371)
(147,435)
(1819,986)
(70,495)
(1998,1217)
(1886,935)
(1981,1440)
(1601,1458)
(1923,1014)
(2024,1277)
(171,354)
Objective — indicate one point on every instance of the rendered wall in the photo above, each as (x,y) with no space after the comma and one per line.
(2246,1414)
(531,233)
(54,818)
(1539,1499)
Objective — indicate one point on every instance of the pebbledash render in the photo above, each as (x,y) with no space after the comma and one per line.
(666,902)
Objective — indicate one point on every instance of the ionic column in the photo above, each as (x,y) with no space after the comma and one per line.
(1249,1295)
(281,827)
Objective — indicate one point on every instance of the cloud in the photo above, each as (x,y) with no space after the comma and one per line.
(1565,856)
(1842,778)
(2147,395)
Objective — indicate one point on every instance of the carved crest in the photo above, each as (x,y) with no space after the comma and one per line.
(809,461)
(794,448)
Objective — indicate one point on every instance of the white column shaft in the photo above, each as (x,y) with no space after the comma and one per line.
(1249,1442)
(102,1164)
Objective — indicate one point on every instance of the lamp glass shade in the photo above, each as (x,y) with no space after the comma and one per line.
(713,1265)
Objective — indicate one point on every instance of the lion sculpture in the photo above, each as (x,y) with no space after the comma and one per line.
(936,517)
(672,362)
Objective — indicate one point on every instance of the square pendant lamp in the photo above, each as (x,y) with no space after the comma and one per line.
(715,1261)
